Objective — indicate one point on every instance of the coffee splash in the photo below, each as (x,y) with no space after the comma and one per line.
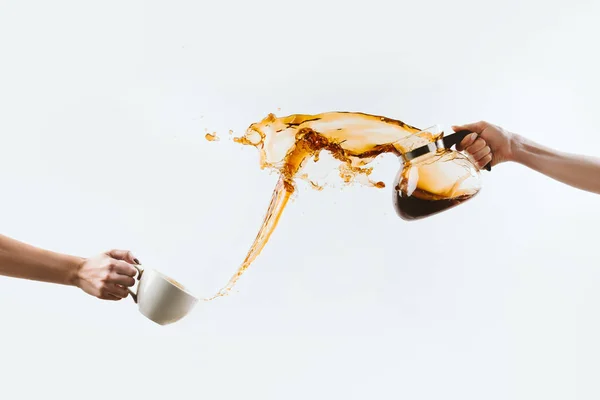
(211,137)
(287,144)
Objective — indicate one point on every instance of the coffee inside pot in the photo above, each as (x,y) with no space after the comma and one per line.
(434,178)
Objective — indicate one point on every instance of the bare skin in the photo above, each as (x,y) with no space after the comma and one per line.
(493,143)
(105,276)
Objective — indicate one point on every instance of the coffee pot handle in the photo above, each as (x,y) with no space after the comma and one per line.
(139,276)
(456,138)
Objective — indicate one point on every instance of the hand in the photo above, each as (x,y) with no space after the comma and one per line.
(488,143)
(108,275)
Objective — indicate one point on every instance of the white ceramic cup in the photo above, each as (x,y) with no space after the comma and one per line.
(160,298)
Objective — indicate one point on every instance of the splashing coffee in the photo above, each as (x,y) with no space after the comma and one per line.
(354,140)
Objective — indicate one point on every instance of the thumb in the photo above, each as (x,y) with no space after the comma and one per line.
(124,255)
(477,127)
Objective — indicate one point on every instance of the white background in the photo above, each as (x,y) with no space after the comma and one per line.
(103,110)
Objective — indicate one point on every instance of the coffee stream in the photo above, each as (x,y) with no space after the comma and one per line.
(286,144)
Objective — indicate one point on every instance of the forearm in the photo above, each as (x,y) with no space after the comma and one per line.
(582,172)
(20,260)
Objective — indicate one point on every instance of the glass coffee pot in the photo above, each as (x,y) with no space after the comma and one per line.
(434,178)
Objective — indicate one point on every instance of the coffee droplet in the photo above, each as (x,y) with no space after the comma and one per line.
(212,137)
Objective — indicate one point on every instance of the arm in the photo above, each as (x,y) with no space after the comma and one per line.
(20,260)
(579,171)
(495,144)
(105,276)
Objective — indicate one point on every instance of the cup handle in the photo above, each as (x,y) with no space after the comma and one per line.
(139,276)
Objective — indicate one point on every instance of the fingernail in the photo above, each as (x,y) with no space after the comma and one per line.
(135,260)
(474,135)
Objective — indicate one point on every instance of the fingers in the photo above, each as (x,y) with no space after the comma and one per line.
(484,161)
(477,128)
(120,276)
(117,291)
(111,290)
(124,255)
(122,280)
(123,268)
(112,296)
(114,292)
(476,146)
(480,153)
(467,141)
(109,275)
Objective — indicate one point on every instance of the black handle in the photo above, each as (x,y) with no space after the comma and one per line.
(456,138)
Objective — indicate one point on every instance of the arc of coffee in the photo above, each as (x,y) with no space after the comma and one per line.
(279,200)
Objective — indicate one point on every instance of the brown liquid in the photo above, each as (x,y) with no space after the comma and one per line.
(420,205)
(174,282)
(286,144)
(211,137)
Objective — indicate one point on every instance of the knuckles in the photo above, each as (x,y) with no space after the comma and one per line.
(105,278)
(484,161)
